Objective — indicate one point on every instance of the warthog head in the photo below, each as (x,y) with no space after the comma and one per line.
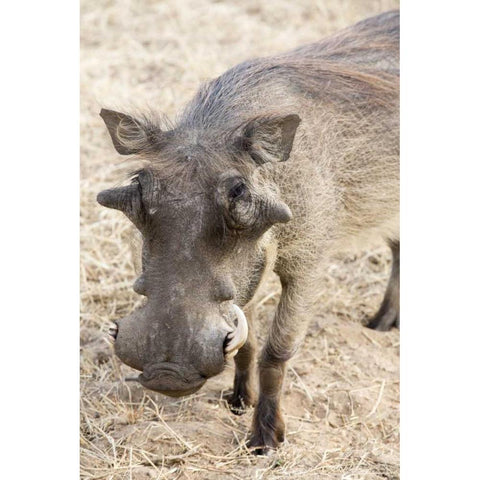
(204,213)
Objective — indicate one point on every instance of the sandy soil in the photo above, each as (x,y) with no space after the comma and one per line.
(341,395)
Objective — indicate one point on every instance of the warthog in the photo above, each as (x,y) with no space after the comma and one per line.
(276,165)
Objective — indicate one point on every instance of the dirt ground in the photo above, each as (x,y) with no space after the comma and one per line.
(341,394)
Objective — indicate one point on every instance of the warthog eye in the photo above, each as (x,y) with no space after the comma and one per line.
(237,190)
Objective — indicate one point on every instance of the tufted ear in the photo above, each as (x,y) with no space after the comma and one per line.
(128,134)
(269,138)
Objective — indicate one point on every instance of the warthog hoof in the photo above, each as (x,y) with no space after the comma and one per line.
(385,320)
(268,433)
(239,403)
(266,441)
(243,395)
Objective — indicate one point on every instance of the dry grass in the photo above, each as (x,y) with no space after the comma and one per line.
(341,396)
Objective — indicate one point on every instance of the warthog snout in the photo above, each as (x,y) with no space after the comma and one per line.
(176,359)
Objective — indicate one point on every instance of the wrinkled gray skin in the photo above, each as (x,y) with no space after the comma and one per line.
(278,164)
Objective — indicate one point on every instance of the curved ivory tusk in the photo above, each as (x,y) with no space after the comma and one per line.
(112,332)
(237,338)
(230,355)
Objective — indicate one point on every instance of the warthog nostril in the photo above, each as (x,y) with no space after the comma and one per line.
(112,332)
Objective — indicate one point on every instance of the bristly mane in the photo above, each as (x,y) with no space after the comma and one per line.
(330,68)
(353,72)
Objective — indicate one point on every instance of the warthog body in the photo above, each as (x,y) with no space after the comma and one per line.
(278,164)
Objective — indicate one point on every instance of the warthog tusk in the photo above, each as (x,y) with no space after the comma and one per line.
(113,330)
(237,338)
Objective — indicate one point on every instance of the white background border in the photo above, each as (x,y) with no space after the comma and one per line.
(39,91)
(439,221)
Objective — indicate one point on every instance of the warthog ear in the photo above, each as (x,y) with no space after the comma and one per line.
(270,138)
(128,135)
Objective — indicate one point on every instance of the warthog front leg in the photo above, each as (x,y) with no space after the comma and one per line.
(389,313)
(286,334)
(243,390)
